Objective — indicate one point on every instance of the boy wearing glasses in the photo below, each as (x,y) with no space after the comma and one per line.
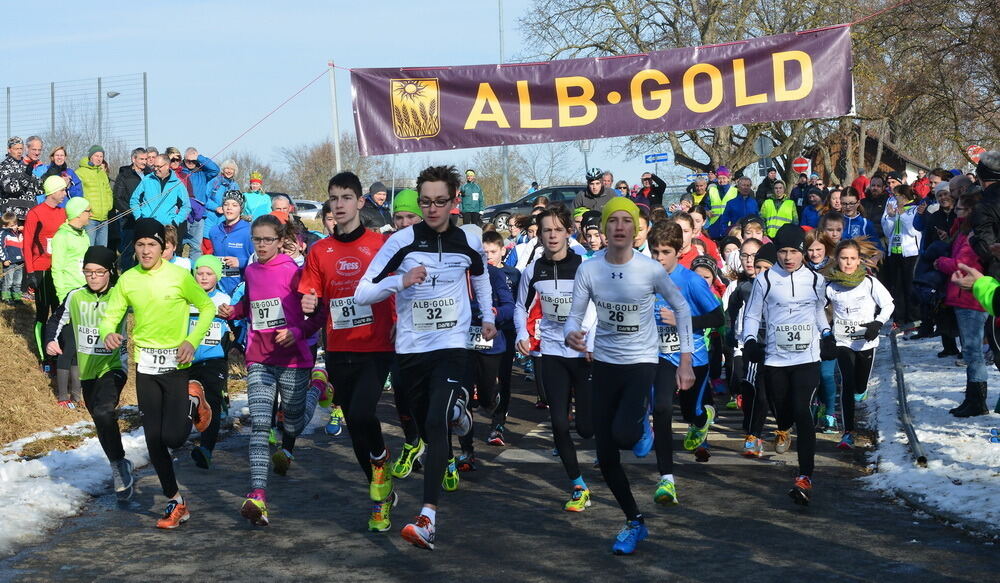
(102,370)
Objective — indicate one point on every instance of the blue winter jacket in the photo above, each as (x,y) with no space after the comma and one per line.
(167,202)
(75,186)
(861,227)
(201,177)
(736,209)
(503,303)
(231,241)
(215,191)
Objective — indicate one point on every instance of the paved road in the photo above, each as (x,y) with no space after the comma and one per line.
(734,523)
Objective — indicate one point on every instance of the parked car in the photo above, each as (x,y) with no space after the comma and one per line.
(500,214)
(307,209)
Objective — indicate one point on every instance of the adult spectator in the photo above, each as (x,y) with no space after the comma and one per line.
(472,199)
(533,187)
(596,195)
(151,154)
(282,206)
(162,196)
(860,184)
(766,187)
(33,153)
(16,183)
(174,155)
(743,205)
(873,205)
(800,192)
(97,190)
(778,211)
(607,179)
(216,190)
(57,167)
(281,203)
(986,214)
(125,184)
(199,170)
(699,190)
(653,188)
(377,212)
(258,203)
(922,185)
(720,192)
(812,210)
(892,180)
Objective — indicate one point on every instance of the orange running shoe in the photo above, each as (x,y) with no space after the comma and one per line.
(201,411)
(802,490)
(175,515)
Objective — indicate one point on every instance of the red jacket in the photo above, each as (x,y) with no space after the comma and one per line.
(860,185)
(40,226)
(922,187)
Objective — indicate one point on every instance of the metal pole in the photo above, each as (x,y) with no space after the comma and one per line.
(145,112)
(392,190)
(52,103)
(336,119)
(586,165)
(503,149)
(100,120)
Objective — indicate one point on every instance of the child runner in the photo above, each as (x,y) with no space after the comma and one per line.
(622,284)
(819,250)
(493,247)
(40,225)
(69,245)
(159,294)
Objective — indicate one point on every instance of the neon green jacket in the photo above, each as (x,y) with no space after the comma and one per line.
(985,290)
(69,245)
(160,299)
(82,311)
(776,217)
(96,189)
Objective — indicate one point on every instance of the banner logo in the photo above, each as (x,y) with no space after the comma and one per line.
(416,108)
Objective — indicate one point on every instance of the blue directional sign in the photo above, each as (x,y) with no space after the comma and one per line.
(654,158)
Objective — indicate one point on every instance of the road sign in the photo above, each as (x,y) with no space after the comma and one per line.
(654,158)
(763,146)
(801,165)
(693,177)
(974,152)
(584,146)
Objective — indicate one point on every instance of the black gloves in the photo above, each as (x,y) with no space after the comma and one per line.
(753,351)
(827,347)
(872,329)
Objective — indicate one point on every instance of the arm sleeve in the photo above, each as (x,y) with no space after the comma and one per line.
(822,323)
(209,167)
(30,228)
(59,318)
(369,292)
(753,311)
(983,226)
(659,186)
(505,300)
(136,198)
(666,288)
(312,277)
(714,319)
(197,297)
(522,303)
(115,311)
(985,291)
(884,301)
(481,284)
(581,301)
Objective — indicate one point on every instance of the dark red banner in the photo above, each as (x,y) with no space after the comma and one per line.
(784,77)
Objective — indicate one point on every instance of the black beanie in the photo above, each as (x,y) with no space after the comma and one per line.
(100,255)
(767,253)
(148,228)
(790,236)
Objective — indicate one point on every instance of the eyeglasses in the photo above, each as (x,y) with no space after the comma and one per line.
(265,240)
(192,162)
(426,204)
(845,203)
(747,255)
(91,211)
(95,272)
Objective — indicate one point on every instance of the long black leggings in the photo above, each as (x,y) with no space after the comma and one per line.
(358,379)
(399,396)
(504,379)
(212,374)
(432,388)
(855,370)
(621,407)
(566,380)
(755,405)
(481,372)
(46,302)
(792,389)
(166,420)
(101,396)
(663,409)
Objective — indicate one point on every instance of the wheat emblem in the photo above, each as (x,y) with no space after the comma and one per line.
(415,108)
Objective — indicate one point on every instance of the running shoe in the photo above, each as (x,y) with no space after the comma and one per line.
(753,446)
(645,443)
(846,442)
(703,452)
(802,490)
(540,404)
(579,500)
(864,396)
(496,437)
(450,480)
(666,493)
(629,537)
(733,403)
(782,441)
(697,435)
(254,508)
(123,479)
(335,427)
(404,463)
(381,513)
(828,424)
(281,460)
(381,485)
(466,462)
(202,457)
(322,382)
(420,533)
(474,402)
(67,404)
(272,436)
(175,515)
(461,425)
(201,411)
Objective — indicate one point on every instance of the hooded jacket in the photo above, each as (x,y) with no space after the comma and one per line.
(75,187)
(594,203)
(166,202)
(214,193)
(200,177)
(961,252)
(273,303)
(96,189)
(231,241)
(69,245)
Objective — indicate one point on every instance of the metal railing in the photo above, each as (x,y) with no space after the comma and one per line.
(903,409)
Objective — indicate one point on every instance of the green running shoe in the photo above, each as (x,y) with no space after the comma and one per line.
(272,437)
(380,487)
(697,435)
(381,512)
(732,404)
(404,463)
(450,481)
(666,493)
(579,501)
(281,460)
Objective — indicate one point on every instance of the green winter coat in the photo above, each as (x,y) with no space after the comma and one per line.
(472,197)
(69,245)
(96,189)
(985,291)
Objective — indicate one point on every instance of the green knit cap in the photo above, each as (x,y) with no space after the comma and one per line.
(406,201)
(210,261)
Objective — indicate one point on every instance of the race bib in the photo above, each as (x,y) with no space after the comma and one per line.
(267,314)
(214,335)
(344,313)
(670,340)
(48,245)
(436,314)
(618,318)
(157,360)
(475,340)
(793,337)
(88,341)
(230,272)
(896,241)
(555,307)
(848,330)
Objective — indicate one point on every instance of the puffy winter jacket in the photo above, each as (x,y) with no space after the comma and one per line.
(200,177)
(903,238)
(96,189)
(961,252)
(69,245)
(166,202)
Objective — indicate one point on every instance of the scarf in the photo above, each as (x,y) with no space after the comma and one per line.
(848,280)
(53,170)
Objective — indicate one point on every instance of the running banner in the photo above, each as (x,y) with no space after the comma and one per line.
(784,77)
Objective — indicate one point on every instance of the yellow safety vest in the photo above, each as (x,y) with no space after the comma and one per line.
(775,218)
(719,202)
